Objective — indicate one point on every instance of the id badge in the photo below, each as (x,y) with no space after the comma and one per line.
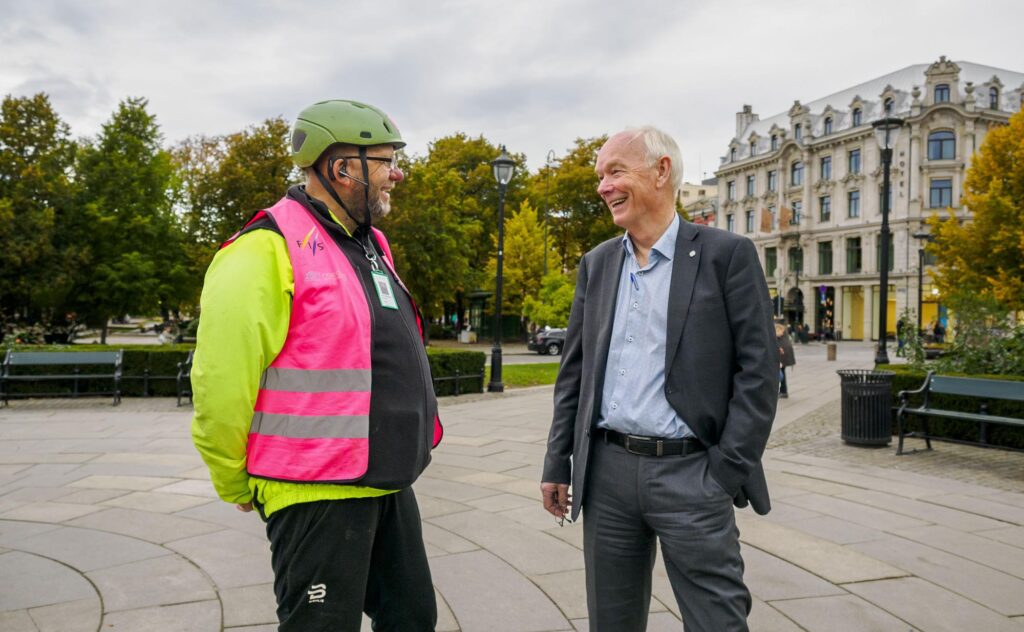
(385,294)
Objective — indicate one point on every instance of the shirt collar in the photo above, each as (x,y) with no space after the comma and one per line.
(666,244)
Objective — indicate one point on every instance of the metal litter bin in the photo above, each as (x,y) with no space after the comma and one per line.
(866,406)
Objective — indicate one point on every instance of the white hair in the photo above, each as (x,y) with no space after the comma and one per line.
(658,144)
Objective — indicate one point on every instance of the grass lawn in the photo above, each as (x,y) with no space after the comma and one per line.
(517,375)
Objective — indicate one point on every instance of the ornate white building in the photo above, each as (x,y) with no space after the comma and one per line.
(806,186)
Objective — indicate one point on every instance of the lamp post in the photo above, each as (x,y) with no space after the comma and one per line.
(925,237)
(504,168)
(886,132)
(547,206)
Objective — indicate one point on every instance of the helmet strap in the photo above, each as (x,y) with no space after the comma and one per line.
(330,190)
(366,185)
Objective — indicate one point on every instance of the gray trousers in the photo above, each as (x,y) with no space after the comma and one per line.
(630,501)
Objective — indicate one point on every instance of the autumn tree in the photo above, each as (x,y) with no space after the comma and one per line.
(551,306)
(523,265)
(984,257)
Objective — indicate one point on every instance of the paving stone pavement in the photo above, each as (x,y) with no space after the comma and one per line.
(108,522)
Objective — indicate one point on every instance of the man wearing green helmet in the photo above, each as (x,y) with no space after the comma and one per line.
(314,402)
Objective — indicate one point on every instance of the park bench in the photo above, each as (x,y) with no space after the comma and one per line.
(984,390)
(70,364)
(185,378)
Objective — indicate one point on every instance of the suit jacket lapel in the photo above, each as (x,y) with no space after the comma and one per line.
(684,275)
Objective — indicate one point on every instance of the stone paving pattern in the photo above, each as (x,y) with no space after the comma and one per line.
(108,522)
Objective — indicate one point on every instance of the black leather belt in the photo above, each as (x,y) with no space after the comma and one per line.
(652,446)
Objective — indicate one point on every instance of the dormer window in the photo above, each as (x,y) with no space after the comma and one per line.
(857,117)
(798,131)
(993,98)
(775,142)
(753,147)
(888,106)
(732,155)
(942,93)
(828,125)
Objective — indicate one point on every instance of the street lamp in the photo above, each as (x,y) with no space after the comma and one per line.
(504,168)
(925,237)
(549,163)
(886,133)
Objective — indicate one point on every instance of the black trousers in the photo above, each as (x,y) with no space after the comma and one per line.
(335,559)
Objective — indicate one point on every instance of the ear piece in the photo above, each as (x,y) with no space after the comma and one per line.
(330,169)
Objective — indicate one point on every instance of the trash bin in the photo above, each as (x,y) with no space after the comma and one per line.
(866,406)
(830,351)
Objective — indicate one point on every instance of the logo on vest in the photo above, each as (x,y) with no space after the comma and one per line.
(317,593)
(312,240)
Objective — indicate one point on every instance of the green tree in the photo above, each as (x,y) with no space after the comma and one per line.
(523,265)
(135,243)
(984,258)
(552,304)
(35,159)
(578,218)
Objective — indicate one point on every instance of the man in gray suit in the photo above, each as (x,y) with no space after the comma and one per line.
(664,400)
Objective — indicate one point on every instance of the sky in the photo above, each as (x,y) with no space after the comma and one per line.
(532,74)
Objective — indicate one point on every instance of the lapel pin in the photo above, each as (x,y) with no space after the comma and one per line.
(693,253)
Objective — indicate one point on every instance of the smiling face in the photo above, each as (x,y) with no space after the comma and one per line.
(630,186)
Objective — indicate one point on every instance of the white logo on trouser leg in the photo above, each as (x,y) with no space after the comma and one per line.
(317,593)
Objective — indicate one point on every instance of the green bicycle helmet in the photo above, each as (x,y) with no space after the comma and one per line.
(340,121)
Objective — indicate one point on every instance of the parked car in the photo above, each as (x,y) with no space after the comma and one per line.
(547,341)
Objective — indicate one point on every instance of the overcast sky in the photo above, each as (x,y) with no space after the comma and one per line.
(532,74)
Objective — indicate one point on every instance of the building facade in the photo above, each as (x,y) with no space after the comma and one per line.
(700,201)
(806,187)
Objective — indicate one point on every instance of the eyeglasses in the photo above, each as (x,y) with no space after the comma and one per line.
(392,161)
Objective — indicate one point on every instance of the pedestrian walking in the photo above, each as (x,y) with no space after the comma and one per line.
(787,357)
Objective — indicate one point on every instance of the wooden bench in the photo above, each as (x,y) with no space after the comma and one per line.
(74,359)
(984,390)
(185,378)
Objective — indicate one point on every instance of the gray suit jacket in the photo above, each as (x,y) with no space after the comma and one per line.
(721,361)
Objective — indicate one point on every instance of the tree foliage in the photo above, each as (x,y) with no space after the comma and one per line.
(984,258)
(523,265)
(552,303)
(36,261)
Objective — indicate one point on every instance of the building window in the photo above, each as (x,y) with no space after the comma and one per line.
(732,155)
(942,93)
(775,217)
(753,147)
(878,253)
(730,190)
(796,173)
(796,259)
(750,221)
(888,106)
(853,258)
(940,195)
(881,199)
(941,145)
(798,131)
(826,168)
(798,208)
(993,98)
(771,261)
(856,117)
(853,161)
(825,204)
(775,142)
(730,223)
(824,257)
(828,125)
(853,204)
(771,181)
(750,186)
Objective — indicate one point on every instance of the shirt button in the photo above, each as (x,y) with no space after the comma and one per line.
(629,338)
(636,305)
(615,406)
(622,371)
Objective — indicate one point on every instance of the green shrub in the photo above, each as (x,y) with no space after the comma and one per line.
(446,362)
(908,379)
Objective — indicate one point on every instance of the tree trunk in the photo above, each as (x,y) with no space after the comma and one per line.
(103,332)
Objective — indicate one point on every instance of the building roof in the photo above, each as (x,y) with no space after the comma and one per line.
(903,82)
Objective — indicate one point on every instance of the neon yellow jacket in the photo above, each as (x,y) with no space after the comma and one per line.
(246,307)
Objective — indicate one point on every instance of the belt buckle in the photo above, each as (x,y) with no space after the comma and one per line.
(659,446)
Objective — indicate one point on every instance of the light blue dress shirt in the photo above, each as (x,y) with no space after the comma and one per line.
(633,400)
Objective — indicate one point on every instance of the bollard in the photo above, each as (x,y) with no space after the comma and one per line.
(830,352)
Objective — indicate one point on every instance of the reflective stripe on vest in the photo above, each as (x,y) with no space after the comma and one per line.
(311,420)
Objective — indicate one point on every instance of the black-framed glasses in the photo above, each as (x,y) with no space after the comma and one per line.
(391,162)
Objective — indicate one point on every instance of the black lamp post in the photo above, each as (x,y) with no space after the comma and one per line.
(547,206)
(886,132)
(925,237)
(504,168)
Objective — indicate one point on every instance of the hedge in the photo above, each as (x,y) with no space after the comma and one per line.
(161,363)
(908,379)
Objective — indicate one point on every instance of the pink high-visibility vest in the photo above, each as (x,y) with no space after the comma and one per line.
(312,415)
